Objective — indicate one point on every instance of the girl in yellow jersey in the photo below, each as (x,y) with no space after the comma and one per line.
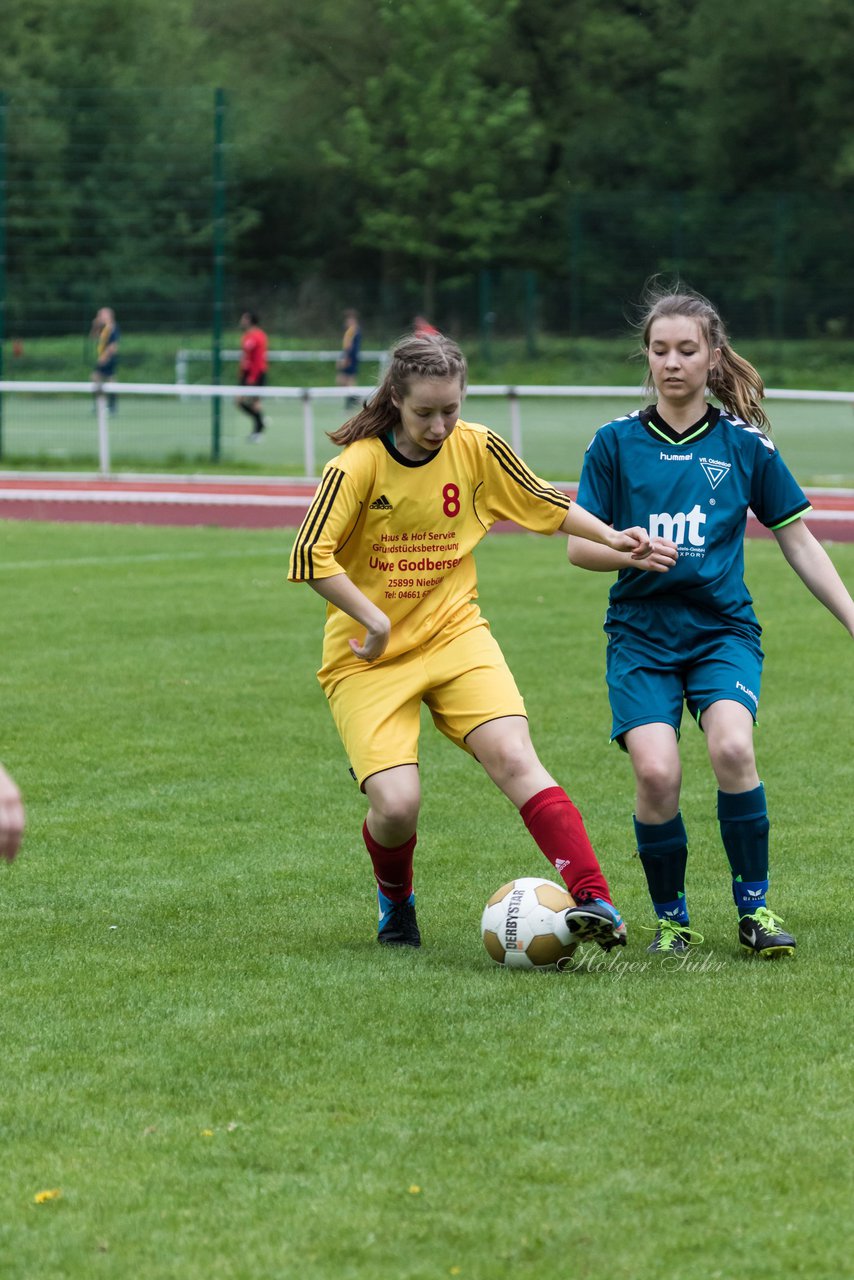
(388,543)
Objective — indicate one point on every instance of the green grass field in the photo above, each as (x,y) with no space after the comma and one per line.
(816,438)
(209,1058)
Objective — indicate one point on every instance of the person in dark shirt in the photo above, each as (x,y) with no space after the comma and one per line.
(687,472)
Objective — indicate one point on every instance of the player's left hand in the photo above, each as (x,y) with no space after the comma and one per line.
(635,540)
(662,556)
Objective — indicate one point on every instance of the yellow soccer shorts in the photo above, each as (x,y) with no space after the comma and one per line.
(464,681)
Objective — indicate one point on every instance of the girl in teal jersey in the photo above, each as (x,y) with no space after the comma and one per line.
(681,627)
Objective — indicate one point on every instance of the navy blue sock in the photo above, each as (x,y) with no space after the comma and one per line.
(663,851)
(748,895)
(743,818)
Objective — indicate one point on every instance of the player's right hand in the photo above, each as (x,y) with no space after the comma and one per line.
(374,644)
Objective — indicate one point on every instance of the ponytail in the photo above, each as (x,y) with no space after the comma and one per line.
(739,387)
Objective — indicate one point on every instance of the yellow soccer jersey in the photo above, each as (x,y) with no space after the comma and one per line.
(404,532)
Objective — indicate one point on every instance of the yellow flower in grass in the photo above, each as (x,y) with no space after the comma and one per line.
(414,1190)
(43,1197)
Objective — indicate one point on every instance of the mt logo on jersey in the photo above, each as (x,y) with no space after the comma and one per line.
(679,525)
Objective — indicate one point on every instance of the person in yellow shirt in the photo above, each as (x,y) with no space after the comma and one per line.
(388,542)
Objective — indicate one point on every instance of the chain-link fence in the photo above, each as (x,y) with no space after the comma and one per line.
(136,200)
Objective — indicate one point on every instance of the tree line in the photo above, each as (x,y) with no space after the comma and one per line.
(404,149)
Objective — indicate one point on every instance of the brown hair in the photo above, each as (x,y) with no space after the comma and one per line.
(733,381)
(429,355)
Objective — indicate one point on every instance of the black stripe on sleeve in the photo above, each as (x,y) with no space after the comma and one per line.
(800,510)
(522,474)
(302,559)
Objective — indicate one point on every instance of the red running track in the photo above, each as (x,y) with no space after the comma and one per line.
(259,504)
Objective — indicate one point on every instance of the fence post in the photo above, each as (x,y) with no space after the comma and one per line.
(218,266)
(486,314)
(515,421)
(3,110)
(576,253)
(531,318)
(308,432)
(103,432)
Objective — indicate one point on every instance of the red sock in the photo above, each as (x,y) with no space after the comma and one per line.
(558,829)
(392,867)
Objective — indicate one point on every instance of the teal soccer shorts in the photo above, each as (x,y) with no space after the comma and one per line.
(662,657)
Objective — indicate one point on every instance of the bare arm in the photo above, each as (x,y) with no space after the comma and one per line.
(11,817)
(346,596)
(582,524)
(816,570)
(591,555)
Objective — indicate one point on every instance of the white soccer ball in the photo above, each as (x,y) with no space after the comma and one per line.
(523,924)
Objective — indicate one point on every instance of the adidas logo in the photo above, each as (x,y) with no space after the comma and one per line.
(560,864)
(381,504)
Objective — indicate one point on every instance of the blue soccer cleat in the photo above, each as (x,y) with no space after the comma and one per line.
(398,925)
(596,920)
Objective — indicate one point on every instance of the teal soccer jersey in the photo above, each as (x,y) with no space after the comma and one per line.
(694,489)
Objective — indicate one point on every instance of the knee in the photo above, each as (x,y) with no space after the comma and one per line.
(657,781)
(509,758)
(396,810)
(732,754)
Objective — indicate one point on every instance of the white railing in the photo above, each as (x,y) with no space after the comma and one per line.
(309,395)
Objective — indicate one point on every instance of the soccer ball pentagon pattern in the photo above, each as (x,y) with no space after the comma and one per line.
(523,925)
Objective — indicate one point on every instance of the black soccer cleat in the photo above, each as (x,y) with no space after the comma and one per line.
(761,934)
(398,923)
(596,920)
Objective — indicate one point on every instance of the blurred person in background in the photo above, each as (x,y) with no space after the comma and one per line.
(348,361)
(422,327)
(11,817)
(253,371)
(107,335)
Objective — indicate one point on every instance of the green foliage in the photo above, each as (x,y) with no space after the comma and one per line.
(441,152)
(385,152)
(208,1056)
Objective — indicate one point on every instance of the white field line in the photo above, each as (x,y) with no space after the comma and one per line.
(158,498)
(154,497)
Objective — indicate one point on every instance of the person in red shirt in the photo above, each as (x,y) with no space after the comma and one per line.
(253,370)
(422,327)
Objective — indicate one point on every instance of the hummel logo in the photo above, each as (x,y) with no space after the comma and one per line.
(382,504)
